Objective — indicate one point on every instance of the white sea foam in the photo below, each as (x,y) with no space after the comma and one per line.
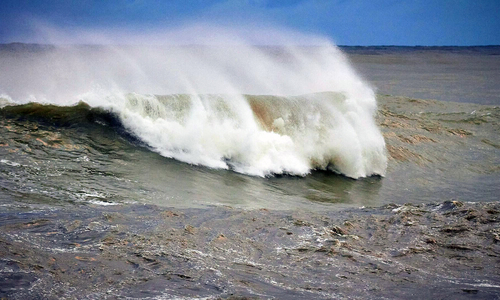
(9,163)
(259,135)
(320,114)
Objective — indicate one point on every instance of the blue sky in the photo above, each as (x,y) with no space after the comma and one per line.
(346,22)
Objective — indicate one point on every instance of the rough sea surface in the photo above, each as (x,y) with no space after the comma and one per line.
(90,210)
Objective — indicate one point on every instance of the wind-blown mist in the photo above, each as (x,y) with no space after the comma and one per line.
(254,109)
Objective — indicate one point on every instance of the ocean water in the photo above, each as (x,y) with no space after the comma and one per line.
(454,74)
(288,128)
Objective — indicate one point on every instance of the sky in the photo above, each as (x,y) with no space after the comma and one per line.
(345,22)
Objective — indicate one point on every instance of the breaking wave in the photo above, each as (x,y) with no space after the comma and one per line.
(207,105)
(255,135)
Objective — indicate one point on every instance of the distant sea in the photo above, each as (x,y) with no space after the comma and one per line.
(457,74)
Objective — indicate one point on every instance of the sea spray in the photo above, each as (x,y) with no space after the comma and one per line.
(195,103)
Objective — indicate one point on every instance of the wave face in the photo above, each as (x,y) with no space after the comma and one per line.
(198,104)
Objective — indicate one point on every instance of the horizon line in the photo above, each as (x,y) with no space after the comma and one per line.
(259,45)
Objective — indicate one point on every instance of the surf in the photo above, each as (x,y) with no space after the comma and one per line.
(255,135)
(257,110)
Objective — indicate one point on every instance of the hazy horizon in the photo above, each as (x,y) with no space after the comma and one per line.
(258,45)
